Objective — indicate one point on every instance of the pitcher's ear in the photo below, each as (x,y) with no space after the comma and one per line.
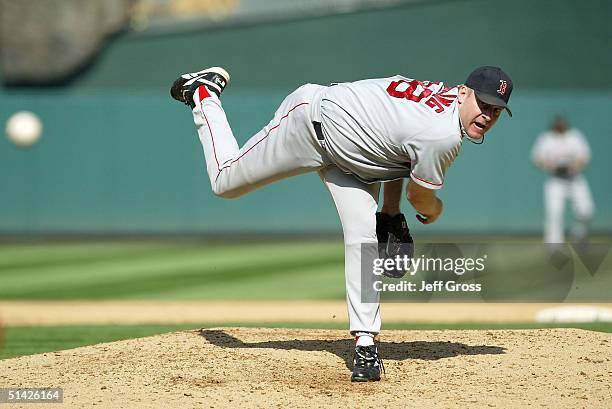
(463,93)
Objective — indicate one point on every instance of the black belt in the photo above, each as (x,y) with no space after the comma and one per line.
(318,130)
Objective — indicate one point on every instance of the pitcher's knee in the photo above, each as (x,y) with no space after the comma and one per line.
(225,195)
(223,192)
(230,192)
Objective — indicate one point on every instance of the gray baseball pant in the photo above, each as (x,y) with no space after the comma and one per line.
(288,146)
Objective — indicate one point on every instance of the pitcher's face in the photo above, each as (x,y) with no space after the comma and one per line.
(476,116)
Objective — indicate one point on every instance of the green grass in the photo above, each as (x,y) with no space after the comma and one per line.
(261,269)
(19,341)
(173,270)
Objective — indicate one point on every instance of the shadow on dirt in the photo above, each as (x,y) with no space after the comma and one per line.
(343,348)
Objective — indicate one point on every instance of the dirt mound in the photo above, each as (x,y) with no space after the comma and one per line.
(238,367)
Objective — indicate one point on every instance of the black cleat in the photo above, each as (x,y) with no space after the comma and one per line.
(214,78)
(366,364)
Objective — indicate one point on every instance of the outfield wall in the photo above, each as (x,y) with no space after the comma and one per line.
(115,163)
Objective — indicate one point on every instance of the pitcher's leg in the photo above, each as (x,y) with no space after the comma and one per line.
(215,133)
(356,203)
(285,147)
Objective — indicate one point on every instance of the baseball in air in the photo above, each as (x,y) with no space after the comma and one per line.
(24,128)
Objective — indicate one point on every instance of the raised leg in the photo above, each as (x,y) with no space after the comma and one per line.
(285,147)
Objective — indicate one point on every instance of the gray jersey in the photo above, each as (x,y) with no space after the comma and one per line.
(390,128)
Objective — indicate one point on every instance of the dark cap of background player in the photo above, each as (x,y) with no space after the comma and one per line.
(491,85)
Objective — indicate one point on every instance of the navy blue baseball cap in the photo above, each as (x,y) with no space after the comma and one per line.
(491,85)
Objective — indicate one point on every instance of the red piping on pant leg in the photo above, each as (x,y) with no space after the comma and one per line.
(265,136)
(211,138)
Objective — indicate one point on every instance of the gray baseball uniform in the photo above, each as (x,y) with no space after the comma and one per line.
(372,130)
(375,132)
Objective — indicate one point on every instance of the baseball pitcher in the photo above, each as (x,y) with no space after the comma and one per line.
(356,135)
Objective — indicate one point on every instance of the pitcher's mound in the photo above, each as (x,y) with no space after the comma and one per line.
(239,367)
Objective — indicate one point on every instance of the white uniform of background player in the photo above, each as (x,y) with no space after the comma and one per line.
(563,153)
(355,135)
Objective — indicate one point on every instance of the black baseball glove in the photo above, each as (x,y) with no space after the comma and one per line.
(394,239)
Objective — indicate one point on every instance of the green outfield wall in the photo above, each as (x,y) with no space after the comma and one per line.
(117,155)
(118,163)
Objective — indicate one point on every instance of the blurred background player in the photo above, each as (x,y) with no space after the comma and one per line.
(563,153)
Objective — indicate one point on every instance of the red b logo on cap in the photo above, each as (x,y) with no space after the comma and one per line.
(503,84)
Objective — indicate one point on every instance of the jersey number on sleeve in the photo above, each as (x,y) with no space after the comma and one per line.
(435,97)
